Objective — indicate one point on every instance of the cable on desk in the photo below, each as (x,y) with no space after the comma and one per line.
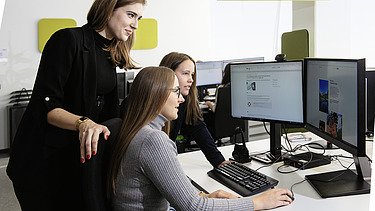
(270,164)
(336,157)
(298,146)
(291,187)
(317,144)
(287,142)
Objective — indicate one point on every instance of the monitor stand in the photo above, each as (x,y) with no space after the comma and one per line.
(322,143)
(344,182)
(274,155)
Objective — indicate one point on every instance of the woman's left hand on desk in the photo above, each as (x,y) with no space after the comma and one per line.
(225,162)
(221,194)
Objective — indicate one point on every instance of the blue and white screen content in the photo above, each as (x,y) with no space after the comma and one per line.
(331,98)
(267,91)
(209,73)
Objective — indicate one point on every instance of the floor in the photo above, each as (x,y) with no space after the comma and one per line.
(8,200)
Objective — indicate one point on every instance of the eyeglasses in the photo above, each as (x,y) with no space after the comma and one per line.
(177,91)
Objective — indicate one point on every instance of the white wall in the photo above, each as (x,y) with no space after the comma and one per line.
(211,30)
(345,28)
(205,29)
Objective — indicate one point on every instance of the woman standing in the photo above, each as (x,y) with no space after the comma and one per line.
(75,88)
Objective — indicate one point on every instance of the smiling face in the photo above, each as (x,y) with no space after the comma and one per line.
(170,107)
(184,73)
(123,22)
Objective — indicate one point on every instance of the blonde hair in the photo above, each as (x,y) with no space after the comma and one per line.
(149,92)
(193,113)
(98,17)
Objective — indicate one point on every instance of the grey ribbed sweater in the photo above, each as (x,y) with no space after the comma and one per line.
(151,176)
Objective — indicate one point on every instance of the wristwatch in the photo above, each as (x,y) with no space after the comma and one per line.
(81,120)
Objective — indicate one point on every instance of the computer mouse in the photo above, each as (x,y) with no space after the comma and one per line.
(291,197)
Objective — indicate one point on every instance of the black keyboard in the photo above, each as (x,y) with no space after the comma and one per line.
(242,179)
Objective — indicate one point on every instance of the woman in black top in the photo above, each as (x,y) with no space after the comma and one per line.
(74,89)
(190,121)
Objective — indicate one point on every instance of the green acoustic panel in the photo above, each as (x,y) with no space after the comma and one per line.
(295,44)
(146,34)
(48,26)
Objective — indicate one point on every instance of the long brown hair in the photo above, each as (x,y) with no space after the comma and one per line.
(98,17)
(150,90)
(193,113)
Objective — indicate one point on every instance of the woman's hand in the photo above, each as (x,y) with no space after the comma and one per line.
(272,198)
(222,194)
(225,162)
(89,132)
(210,105)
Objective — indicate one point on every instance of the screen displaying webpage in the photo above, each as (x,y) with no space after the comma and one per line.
(331,98)
(209,73)
(267,91)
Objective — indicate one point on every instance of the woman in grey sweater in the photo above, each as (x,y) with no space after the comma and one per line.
(145,173)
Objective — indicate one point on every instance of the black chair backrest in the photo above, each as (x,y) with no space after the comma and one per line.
(225,124)
(94,170)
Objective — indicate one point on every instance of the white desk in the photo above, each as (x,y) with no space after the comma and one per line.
(196,167)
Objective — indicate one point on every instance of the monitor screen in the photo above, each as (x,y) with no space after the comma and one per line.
(268,91)
(335,101)
(209,73)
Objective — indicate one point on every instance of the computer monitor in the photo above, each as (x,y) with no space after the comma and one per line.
(269,92)
(209,73)
(370,102)
(335,111)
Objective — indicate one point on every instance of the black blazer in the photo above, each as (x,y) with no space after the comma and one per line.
(66,79)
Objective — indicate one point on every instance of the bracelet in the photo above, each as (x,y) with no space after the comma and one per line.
(81,120)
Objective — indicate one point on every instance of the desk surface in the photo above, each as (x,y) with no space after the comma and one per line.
(196,167)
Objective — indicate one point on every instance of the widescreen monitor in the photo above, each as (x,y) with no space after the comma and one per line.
(209,73)
(335,111)
(335,102)
(268,91)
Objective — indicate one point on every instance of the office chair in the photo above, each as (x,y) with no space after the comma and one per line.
(94,171)
(224,124)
